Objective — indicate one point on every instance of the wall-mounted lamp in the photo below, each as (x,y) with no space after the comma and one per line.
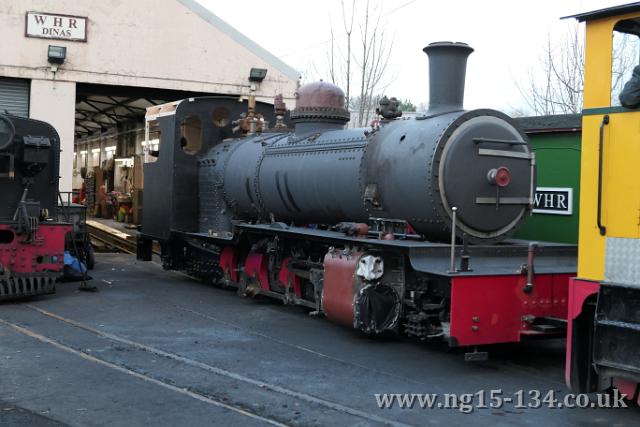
(56,56)
(257,74)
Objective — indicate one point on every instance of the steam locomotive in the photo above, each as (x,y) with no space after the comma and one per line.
(32,241)
(401,227)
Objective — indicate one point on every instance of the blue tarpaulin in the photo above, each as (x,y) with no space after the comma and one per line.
(73,268)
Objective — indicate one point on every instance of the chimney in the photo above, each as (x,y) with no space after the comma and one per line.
(447,69)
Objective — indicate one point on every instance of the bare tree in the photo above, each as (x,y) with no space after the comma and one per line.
(367,64)
(348,31)
(340,58)
(626,50)
(557,86)
(340,62)
(375,58)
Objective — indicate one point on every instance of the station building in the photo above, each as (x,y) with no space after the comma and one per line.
(92,68)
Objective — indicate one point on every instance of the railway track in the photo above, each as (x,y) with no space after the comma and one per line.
(115,239)
(144,377)
(298,400)
(327,378)
(112,240)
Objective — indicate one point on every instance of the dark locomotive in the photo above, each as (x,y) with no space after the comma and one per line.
(401,227)
(32,241)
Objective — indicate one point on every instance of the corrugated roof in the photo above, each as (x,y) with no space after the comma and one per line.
(236,35)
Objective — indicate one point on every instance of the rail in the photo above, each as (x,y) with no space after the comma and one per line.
(112,238)
(115,239)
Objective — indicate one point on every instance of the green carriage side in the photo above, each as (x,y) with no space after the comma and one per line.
(556,143)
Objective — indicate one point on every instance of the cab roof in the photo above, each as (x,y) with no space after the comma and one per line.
(606,13)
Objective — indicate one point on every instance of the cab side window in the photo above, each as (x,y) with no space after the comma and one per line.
(625,78)
(151,143)
(191,135)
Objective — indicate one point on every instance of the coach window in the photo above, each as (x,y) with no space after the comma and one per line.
(626,49)
(191,135)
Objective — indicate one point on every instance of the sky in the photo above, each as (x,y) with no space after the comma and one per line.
(509,37)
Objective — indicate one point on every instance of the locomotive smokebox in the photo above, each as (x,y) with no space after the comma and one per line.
(447,70)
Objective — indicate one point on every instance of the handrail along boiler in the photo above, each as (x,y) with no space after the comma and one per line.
(355,223)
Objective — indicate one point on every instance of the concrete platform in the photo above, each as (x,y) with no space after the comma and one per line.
(158,348)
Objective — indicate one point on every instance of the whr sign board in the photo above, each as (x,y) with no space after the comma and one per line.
(54,26)
(553,200)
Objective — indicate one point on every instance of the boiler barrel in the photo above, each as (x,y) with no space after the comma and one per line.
(301,179)
(413,170)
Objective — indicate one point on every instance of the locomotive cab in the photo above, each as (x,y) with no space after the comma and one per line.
(603,339)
